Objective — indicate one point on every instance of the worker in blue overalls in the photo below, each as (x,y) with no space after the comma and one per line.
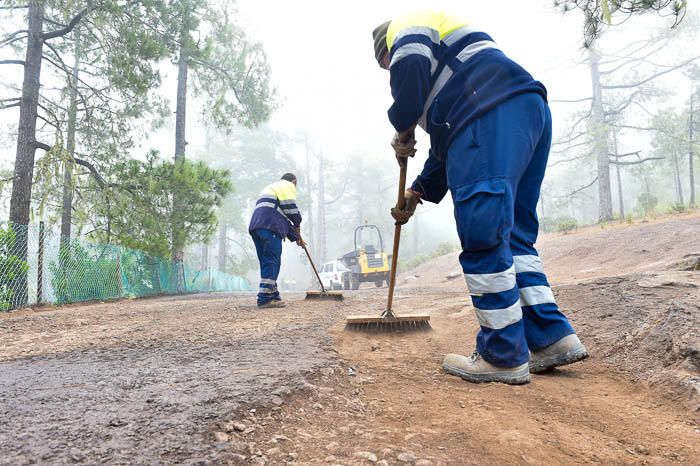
(275,217)
(490,132)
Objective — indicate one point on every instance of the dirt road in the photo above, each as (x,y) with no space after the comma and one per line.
(209,379)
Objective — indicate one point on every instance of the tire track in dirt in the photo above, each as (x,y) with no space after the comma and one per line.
(146,392)
(388,400)
(211,380)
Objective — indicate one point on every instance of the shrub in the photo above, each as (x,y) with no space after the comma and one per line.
(647,203)
(548,224)
(11,267)
(78,276)
(440,250)
(677,208)
(566,225)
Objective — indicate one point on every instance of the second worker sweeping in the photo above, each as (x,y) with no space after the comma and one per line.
(275,217)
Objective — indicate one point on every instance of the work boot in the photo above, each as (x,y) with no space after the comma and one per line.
(565,351)
(272,305)
(476,369)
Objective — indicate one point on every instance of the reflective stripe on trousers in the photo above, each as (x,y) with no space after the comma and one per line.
(268,247)
(494,169)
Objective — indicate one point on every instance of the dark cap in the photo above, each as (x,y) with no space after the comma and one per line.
(289,177)
(379,36)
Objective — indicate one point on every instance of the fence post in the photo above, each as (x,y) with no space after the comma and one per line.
(40,266)
(184,277)
(120,282)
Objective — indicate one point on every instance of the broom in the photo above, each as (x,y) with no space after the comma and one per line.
(388,320)
(323,294)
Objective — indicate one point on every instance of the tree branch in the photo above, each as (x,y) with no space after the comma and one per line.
(224,74)
(53,23)
(623,106)
(619,156)
(576,191)
(8,39)
(42,146)
(638,128)
(578,157)
(41,117)
(57,123)
(564,101)
(568,148)
(633,59)
(13,104)
(339,196)
(93,170)
(570,139)
(12,62)
(637,162)
(619,53)
(69,27)
(652,77)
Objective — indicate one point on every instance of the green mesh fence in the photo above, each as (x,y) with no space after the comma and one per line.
(36,266)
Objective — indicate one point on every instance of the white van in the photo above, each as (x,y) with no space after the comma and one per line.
(331,274)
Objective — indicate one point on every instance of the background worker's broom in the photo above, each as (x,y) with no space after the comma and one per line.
(388,320)
(323,294)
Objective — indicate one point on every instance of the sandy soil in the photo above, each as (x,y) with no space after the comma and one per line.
(211,380)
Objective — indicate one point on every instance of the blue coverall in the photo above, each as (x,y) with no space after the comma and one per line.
(490,130)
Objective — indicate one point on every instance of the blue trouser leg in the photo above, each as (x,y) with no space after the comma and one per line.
(485,165)
(544,322)
(268,247)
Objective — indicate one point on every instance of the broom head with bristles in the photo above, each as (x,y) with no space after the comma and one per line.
(324,295)
(405,322)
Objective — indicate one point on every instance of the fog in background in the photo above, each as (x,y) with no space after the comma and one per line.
(332,107)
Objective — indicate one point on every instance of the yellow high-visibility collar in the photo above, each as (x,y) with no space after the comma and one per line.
(438,21)
(283,190)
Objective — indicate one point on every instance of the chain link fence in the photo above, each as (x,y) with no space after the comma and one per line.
(38,267)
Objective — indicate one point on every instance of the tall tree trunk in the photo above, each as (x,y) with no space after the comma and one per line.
(691,155)
(205,257)
(321,213)
(223,243)
(571,206)
(66,213)
(645,173)
(20,202)
(600,143)
(178,227)
(619,178)
(677,180)
(619,191)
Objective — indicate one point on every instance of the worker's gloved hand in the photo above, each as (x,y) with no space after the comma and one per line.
(404,145)
(300,241)
(412,200)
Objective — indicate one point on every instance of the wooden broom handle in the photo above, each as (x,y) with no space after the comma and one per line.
(313,266)
(400,204)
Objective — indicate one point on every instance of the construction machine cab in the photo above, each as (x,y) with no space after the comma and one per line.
(367,262)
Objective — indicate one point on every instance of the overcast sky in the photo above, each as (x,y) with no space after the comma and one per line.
(330,86)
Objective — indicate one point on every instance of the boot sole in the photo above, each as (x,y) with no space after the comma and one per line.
(548,363)
(517,378)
